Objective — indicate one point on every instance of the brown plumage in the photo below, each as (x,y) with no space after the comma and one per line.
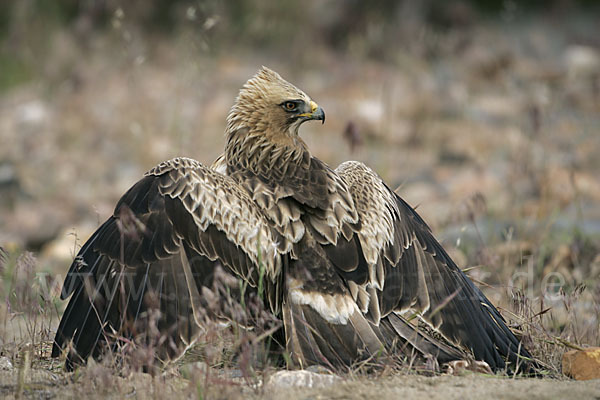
(348,265)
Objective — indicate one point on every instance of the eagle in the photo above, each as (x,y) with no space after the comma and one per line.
(349,268)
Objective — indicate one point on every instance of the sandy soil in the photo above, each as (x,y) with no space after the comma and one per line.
(43,384)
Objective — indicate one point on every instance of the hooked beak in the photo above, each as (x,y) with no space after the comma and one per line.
(316,113)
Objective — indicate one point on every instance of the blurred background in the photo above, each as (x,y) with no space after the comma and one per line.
(483,114)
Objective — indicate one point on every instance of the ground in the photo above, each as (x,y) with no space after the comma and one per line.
(96,382)
(491,130)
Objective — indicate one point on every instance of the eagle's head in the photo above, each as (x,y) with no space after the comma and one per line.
(270,105)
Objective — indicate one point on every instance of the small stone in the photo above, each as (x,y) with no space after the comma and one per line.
(582,365)
(305,379)
(5,364)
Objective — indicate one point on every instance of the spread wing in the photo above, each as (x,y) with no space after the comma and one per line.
(151,261)
(406,273)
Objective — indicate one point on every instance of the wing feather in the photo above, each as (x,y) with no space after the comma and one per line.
(146,264)
(418,277)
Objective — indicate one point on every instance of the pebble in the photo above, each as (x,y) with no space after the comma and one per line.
(304,379)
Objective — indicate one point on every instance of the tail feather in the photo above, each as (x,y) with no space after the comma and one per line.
(424,344)
(312,340)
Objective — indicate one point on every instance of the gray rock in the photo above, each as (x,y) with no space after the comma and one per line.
(305,379)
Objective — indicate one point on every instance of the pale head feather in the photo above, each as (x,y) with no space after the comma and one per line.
(258,105)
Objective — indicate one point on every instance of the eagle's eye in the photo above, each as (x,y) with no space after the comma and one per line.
(290,106)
